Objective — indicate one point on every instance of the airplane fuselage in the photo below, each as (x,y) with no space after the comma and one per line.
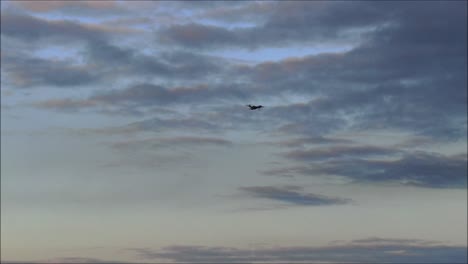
(254,107)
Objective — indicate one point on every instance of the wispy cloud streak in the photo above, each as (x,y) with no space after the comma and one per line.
(292,195)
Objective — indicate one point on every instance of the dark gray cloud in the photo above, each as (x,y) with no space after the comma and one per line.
(382,251)
(417,107)
(31,72)
(292,195)
(414,169)
(30,28)
(350,93)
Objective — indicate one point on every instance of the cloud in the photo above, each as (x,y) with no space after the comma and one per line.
(197,35)
(292,195)
(388,81)
(30,28)
(64,104)
(180,124)
(304,120)
(181,141)
(32,72)
(79,260)
(167,65)
(67,260)
(29,34)
(372,86)
(48,6)
(159,124)
(319,140)
(293,22)
(233,13)
(379,240)
(149,94)
(303,22)
(406,71)
(429,170)
(138,97)
(337,103)
(104,58)
(335,152)
(382,251)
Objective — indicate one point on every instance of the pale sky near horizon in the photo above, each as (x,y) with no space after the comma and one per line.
(125,135)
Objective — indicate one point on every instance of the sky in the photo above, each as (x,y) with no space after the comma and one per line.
(125,135)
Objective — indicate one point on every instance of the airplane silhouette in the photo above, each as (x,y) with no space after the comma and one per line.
(253,107)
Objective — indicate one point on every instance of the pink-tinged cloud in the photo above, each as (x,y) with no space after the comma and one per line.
(64,104)
(31,28)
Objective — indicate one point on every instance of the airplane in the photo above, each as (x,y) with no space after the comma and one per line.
(253,107)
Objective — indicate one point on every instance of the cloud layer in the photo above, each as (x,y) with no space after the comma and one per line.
(372,250)
(389,80)
(142,106)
